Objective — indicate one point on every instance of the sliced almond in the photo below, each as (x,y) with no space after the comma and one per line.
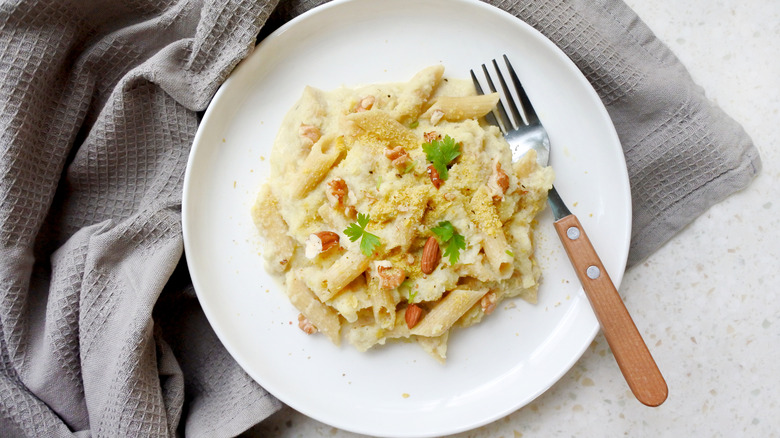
(430,256)
(317,243)
(413,315)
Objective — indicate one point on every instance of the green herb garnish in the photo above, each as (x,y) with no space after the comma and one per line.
(510,253)
(441,153)
(357,230)
(453,241)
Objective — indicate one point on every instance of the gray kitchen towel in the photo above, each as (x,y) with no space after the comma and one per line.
(100,331)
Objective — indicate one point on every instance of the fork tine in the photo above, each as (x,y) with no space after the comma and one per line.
(510,101)
(525,102)
(489,117)
(499,107)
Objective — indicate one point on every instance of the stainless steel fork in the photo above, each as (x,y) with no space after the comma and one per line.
(630,351)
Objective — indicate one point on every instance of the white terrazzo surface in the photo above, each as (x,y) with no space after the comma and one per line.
(707,302)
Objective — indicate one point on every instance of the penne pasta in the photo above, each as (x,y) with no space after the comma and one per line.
(480,269)
(455,109)
(498,254)
(417,92)
(351,300)
(383,304)
(279,246)
(343,271)
(448,310)
(323,317)
(381,127)
(322,157)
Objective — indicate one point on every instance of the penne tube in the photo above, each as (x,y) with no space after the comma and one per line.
(444,314)
(383,304)
(351,300)
(323,317)
(498,254)
(417,92)
(456,109)
(323,156)
(279,247)
(523,286)
(381,126)
(342,272)
(480,269)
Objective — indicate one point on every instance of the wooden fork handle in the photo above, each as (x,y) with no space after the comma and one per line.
(631,353)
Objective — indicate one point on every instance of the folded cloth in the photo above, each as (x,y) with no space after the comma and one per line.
(100,331)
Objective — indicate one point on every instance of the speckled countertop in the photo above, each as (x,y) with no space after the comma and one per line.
(706,302)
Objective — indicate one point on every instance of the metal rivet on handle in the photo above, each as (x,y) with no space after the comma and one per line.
(573,233)
(593,272)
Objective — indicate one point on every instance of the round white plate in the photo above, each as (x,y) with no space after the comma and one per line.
(397,390)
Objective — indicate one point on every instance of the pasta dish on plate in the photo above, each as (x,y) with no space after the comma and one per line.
(395,212)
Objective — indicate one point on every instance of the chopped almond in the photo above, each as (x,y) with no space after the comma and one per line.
(488,302)
(337,192)
(434,175)
(317,243)
(306,325)
(365,104)
(309,133)
(431,136)
(390,277)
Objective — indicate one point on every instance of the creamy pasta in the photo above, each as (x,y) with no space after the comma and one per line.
(394,211)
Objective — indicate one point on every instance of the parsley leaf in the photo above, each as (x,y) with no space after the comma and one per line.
(353,231)
(368,242)
(449,236)
(411,296)
(453,248)
(441,153)
(363,220)
(444,230)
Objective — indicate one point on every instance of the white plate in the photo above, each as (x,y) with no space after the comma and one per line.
(397,390)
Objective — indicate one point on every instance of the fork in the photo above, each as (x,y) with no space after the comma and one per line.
(630,351)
